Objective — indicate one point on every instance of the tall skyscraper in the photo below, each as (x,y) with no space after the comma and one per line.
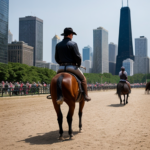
(128,64)
(31,32)
(141,46)
(100,51)
(10,37)
(55,40)
(142,61)
(112,58)
(4,9)
(125,47)
(86,53)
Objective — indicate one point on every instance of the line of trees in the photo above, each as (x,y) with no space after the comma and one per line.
(109,78)
(21,72)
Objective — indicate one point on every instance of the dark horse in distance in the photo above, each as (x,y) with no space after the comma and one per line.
(123,89)
(64,87)
(147,88)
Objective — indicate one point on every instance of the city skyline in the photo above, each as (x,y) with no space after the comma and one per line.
(50,30)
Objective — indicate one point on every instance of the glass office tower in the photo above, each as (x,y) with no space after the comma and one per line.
(125,47)
(100,50)
(31,32)
(4,8)
(86,53)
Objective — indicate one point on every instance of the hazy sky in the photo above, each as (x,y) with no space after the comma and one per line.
(83,16)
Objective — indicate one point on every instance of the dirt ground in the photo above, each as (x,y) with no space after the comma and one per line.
(30,123)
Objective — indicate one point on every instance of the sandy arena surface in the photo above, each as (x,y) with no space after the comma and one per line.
(30,123)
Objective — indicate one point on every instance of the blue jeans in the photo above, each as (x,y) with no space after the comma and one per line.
(72,69)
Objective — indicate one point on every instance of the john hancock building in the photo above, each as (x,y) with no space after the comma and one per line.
(125,47)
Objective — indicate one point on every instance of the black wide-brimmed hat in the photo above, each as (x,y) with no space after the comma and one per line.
(68,31)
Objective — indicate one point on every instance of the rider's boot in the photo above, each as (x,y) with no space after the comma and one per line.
(84,85)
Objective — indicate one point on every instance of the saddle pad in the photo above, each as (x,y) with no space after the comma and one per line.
(79,82)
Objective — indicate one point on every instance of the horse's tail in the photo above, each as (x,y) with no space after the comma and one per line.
(60,98)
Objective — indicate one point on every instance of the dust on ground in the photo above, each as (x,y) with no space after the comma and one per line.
(30,123)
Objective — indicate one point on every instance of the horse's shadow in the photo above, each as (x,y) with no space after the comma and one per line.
(47,138)
(116,105)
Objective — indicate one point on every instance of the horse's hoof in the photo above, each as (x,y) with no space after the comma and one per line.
(61,138)
(71,136)
(80,130)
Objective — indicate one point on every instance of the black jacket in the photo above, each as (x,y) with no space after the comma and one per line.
(67,52)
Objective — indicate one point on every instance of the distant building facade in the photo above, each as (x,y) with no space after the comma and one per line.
(10,37)
(141,47)
(125,47)
(112,58)
(20,52)
(55,67)
(88,65)
(100,51)
(91,56)
(128,64)
(86,53)
(4,11)
(141,65)
(55,40)
(42,64)
(142,61)
(31,32)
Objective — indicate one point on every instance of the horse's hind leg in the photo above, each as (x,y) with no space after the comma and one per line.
(81,105)
(127,99)
(60,119)
(69,117)
(124,100)
(120,99)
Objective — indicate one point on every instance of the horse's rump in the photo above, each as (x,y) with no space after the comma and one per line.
(64,87)
(122,88)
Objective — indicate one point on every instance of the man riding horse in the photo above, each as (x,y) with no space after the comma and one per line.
(123,87)
(68,57)
(123,77)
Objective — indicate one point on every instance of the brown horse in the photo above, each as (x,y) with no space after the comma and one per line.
(123,89)
(64,87)
(147,88)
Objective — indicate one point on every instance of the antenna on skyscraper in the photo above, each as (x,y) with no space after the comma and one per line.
(122,3)
(127,3)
